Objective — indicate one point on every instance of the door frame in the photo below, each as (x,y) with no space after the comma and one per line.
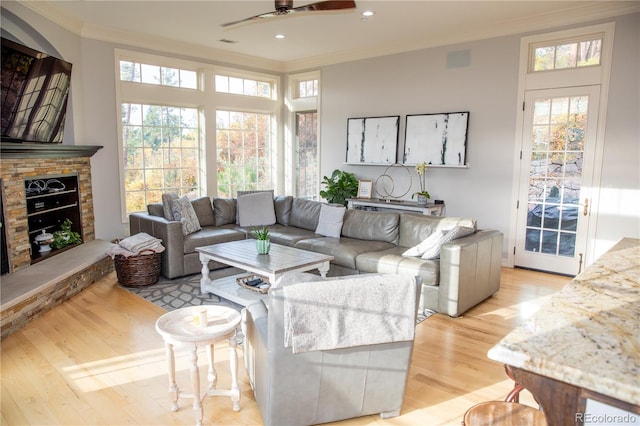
(588,76)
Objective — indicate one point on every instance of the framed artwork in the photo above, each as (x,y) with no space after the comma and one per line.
(365,188)
(372,140)
(437,139)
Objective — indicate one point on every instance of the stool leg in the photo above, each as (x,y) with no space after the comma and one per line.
(195,381)
(233,363)
(171,369)
(212,376)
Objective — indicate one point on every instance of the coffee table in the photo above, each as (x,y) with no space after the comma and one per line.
(243,254)
(178,328)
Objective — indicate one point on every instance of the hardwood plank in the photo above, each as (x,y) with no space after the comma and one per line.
(97,359)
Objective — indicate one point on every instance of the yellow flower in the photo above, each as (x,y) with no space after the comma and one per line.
(421,168)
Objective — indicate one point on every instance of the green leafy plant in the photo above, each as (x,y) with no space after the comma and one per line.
(65,236)
(261,233)
(339,187)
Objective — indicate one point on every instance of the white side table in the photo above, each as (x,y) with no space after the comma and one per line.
(178,328)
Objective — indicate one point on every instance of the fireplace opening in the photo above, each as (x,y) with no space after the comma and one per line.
(54,216)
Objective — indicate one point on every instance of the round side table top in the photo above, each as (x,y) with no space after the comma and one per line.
(179,325)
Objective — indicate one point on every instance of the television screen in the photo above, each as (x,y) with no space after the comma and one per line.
(35,88)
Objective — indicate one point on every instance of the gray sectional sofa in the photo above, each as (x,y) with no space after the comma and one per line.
(467,272)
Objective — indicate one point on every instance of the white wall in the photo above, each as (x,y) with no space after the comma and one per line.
(418,83)
(409,83)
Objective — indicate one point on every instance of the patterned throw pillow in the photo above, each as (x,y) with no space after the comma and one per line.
(428,243)
(447,236)
(183,211)
(167,198)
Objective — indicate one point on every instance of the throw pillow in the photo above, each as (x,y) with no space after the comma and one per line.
(204,211)
(447,236)
(428,243)
(183,211)
(256,209)
(330,221)
(241,193)
(167,198)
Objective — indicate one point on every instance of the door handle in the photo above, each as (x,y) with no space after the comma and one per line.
(585,211)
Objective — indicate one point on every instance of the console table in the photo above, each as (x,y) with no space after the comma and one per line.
(582,345)
(379,204)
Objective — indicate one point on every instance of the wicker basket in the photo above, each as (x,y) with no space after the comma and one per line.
(139,270)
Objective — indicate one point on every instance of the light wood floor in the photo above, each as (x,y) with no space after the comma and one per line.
(97,360)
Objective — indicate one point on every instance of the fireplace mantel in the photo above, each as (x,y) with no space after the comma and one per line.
(41,150)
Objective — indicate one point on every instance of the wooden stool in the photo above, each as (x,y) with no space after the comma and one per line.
(504,414)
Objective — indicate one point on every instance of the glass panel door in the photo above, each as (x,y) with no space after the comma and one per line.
(557,154)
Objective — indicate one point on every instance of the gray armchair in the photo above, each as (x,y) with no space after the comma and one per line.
(325,385)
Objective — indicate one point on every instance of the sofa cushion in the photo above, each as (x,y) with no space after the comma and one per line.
(256,209)
(305,213)
(373,226)
(289,235)
(183,211)
(447,236)
(330,220)
(224,211)
(391,261)
(415,228)
(156,209)
(210,235)
(204,211)
(344,250)
(282,204)
(167,198)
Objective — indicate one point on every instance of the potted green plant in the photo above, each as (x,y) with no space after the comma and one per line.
(263,244)
(423,194)
(65,236)
(339,187)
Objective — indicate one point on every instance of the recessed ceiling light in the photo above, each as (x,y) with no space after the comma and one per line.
(279,35)
(367,13)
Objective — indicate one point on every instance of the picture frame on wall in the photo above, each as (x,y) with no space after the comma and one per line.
(365,188)
(437,139)
(372,140)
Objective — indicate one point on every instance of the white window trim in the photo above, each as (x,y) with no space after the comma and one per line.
(295,104)
(582,76)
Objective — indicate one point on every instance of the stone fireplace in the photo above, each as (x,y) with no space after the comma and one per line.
(22,162)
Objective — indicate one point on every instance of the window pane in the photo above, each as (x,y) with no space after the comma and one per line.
(150,74)
(129,71)
(156,158)
(307,183)
(566,55)
(244,151)
(222,84)
(188,79)
(589,53)
(544,58)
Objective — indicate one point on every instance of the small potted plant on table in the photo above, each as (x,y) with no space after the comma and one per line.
(262,240)
(423,194)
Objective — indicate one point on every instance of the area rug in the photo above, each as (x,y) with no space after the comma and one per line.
(185,291)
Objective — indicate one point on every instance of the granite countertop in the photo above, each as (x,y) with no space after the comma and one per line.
(587,334)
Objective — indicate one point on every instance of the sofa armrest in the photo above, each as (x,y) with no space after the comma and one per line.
(469,271)
(170,232)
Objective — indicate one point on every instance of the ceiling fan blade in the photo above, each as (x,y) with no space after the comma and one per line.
(326,5)
(253,18)
(284,9)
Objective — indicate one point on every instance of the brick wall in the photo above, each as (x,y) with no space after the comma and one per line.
(14,171)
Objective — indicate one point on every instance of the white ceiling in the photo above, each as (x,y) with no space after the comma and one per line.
(312,38)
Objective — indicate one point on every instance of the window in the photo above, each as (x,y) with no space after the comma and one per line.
(154,74)
(161,153)
(566,54)
(243,152)
(244,86)
(307,88)
(307,153)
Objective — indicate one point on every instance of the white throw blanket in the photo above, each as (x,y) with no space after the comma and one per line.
(363,310)
(135,244)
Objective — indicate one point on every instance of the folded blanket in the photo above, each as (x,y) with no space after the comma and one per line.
(140,241)
(115,249)
(364,310)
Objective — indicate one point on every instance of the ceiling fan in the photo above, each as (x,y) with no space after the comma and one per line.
(285,7)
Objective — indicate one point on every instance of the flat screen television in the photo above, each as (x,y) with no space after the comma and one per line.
(35,88)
